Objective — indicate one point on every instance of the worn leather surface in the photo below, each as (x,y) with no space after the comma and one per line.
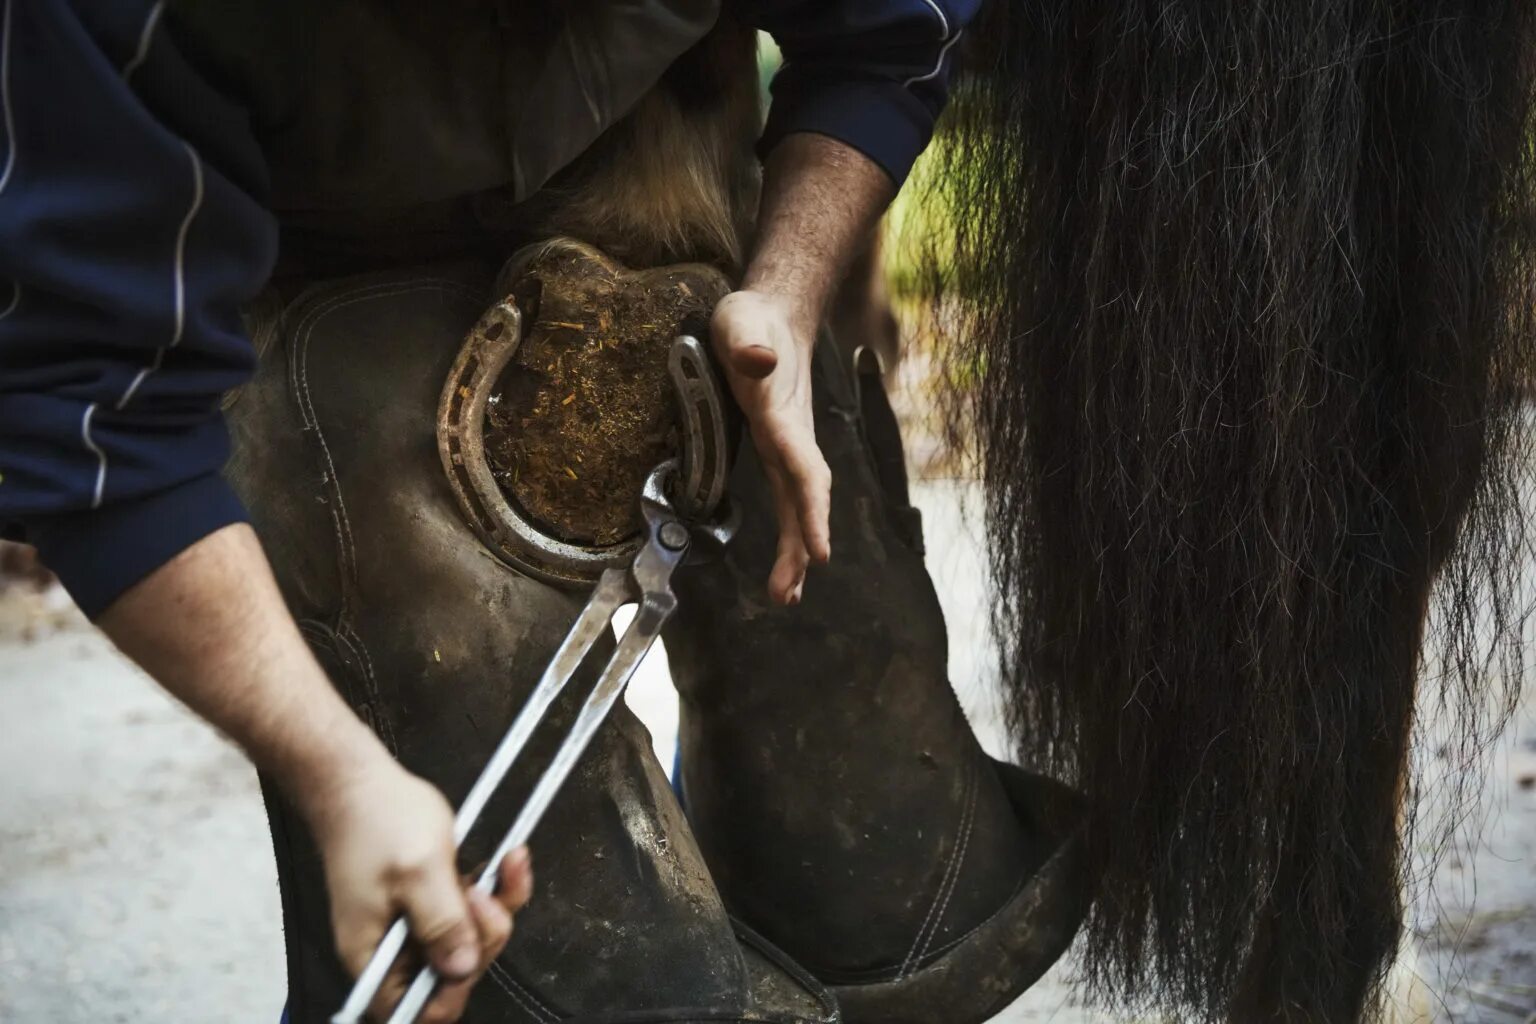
(836,788)
(437,643)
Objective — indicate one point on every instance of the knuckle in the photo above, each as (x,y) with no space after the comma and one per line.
(445,930)
(409,871)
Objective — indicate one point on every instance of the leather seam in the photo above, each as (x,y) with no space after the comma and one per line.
(302,333)
(372,694)
(954,882)
(951,876)
(892,974)
(347,551)
(524,998)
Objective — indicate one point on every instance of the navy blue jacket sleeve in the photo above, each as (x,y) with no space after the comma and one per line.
(871,73)
(130,234)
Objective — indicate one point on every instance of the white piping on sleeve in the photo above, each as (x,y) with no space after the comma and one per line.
(943,19)
(101,456)
(146,36)
(138,379)
(179,278)
(937,67)
(10,307)
(5,99)
(181,244)
(947,38)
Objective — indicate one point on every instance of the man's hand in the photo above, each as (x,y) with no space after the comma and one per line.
(767,360)
(821,199)
(211,627)
(386,838)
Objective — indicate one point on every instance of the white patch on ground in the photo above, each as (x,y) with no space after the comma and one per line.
(137,884)
(136,875)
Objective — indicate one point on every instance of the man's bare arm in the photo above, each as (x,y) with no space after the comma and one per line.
(211,627)
(821,199)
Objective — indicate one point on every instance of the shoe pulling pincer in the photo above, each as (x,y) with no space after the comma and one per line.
(671,538)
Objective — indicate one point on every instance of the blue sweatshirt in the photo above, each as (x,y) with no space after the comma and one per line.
(133,228)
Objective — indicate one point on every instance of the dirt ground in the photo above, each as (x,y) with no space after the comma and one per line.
(136,880)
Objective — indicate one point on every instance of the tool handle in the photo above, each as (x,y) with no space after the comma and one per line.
(611,591)
(416,997)
(655,608)
(372,976)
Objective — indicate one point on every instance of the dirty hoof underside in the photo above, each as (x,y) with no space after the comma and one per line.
(585,409)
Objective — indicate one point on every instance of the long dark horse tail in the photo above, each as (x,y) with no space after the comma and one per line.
(1238,297)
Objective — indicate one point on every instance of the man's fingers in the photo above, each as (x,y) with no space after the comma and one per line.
(767,358)
(802,498)
(494,923)
(799,474)
(811,491)
(516,887)
(440,919)
(787,580)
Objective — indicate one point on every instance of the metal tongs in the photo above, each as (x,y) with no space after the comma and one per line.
(669,541)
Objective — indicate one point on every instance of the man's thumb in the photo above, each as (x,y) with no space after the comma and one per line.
(738,329)
(753,360)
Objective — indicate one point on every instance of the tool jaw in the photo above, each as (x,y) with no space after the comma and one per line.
(670,541)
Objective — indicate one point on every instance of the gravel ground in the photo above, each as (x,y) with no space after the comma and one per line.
(136,880)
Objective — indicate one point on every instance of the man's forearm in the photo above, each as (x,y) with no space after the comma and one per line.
(211,627)
(821,199)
